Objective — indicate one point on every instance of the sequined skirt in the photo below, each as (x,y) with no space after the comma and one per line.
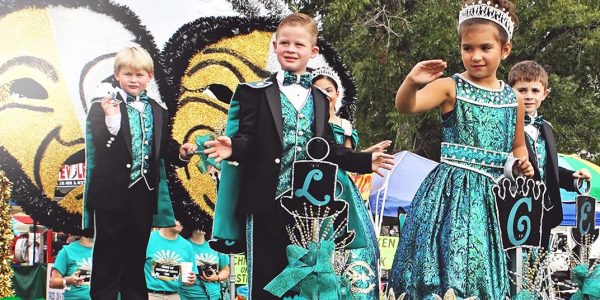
(362,266)
(451,239)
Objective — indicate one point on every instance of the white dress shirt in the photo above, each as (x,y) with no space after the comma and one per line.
(296,93)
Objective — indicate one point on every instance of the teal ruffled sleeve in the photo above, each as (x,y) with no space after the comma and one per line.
(338,134)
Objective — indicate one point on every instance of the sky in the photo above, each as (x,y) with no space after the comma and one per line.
(163,17)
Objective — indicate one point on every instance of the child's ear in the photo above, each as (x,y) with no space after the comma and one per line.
(546,92)
(506,49)
(151,75)
(314,52)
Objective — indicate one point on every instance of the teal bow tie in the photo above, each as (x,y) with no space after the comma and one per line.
(304,80)
(537,121)
(142,97)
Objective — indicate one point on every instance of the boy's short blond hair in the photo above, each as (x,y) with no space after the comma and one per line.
(134,57)
(528,71)
(300,19)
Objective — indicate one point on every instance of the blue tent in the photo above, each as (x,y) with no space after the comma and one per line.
(398,186)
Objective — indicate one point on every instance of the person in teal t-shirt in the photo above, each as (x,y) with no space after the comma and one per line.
(72,269)
(209,285)
(166,252)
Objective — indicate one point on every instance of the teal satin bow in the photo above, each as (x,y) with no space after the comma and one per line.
(143,96)
(309,271)
(537,121)
(588,282)
(291,78)
(204,161)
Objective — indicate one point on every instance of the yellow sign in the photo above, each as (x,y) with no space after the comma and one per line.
(387,248)
(241,269)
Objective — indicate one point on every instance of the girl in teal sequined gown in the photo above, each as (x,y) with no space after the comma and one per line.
(362,261)
(451,239)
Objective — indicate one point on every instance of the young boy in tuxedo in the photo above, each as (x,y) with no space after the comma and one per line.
(530,81)
(127,144)
(277,118)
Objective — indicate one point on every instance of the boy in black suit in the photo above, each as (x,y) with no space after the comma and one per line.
(530,81)
(277,118)
(126,190)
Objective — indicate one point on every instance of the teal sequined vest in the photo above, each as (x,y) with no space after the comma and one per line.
(141,125)
(297,131)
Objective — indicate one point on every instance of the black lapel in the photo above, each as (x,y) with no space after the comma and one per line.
(550,148)
(274,100)
(319,103)
(125,123)
(157,115)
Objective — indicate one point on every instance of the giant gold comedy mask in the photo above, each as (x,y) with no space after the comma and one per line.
(53,56)
(203,63)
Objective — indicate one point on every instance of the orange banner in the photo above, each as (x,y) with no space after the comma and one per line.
(363,182)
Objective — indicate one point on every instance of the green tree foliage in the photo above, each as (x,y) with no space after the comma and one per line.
(381,40)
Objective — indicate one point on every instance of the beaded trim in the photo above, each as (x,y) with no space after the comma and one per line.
(473,155)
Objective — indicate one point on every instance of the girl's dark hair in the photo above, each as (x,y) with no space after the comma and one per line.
(465,26)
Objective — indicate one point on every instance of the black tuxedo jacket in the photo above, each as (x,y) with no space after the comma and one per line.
(258,144)
(112,157)
(556,178)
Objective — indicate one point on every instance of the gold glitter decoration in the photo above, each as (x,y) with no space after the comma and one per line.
(210,112)
(54,117)
(73,201)
(6,236)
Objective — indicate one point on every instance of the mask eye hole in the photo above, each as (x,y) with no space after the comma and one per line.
(221,92)
(27,88)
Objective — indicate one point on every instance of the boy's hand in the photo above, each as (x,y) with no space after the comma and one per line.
(524,167)
(381,160)
(110,106)
(379,147)
(427,71)
(583,174)
(187,150)
(218,149)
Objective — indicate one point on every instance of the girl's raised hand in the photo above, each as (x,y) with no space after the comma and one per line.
(427,71)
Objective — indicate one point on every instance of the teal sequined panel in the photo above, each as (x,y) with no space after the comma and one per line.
(297,130)
(539,147)
(451,238)
(141,125)
(362,263)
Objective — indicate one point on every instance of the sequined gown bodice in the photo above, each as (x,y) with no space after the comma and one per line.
(481,128)
(451,239)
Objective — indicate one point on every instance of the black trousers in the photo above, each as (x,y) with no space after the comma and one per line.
(269,259)
(119,253)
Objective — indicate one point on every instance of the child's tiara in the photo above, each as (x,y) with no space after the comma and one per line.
(486,11)
(328,72)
